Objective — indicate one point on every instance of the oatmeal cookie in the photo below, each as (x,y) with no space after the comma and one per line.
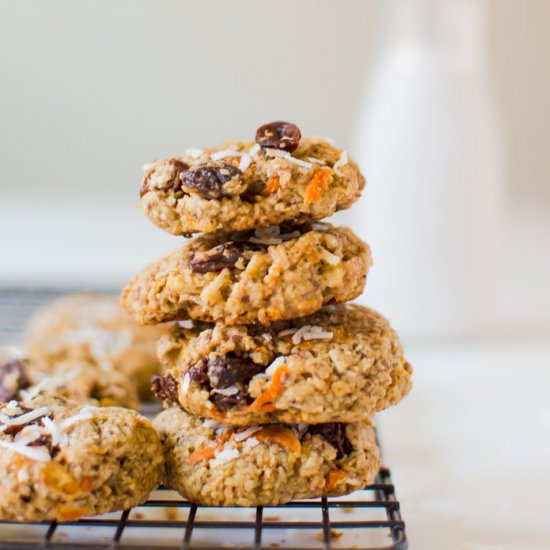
(342,364)
(75,380)
(218,465)
(62,461)
(95,329)
(281,177)
(248,277)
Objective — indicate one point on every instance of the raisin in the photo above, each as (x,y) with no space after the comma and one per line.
(215,259)
(198,373)
(228,370)
(13,377)
(335,434)
(165,387)
(173,183)
(279,135)
(226,402)
(209,180)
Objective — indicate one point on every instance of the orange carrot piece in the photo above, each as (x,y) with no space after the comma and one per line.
(280,434)
(273,183)
(70,512)
(202,454)
(318,185)
(274,389)
(334,479)
(86,484)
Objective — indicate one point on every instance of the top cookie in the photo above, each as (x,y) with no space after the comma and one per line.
(244,184)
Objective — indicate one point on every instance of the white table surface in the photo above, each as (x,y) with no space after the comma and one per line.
(469,448)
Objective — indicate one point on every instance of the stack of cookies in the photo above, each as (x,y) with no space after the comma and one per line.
(270,379)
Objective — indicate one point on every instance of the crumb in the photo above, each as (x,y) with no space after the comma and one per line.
(271,518)
(348,510)
(334,535)
(138,515)
(171,514)
(274,545)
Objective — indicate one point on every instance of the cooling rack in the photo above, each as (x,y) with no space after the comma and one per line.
(366,519)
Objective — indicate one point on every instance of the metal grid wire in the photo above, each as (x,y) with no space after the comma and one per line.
(367,519)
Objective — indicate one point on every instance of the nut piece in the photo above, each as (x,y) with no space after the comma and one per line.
(279,135)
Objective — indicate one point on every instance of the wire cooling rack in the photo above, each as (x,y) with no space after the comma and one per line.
(366,519)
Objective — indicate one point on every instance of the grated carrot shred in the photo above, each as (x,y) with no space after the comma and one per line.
(273,184)
(86,484)
(318,185)
(264,400)
(280,434)
(202,454)
(334,479)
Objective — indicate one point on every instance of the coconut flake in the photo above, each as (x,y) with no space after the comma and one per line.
(316,161)
(12,408)
(245,162)
(249,443)
(227,455)
(212,424)
(30,452)
(254,150)
(27,417)
(287,156)
(241,436)
(226,153)
(310,332)
(287,332)
(277,362)
(291,235)
(319,226)
(33,391)
(231,390)
(267,337)
(187,323)
(268,241)
(58,437)
(330,258)
(194,153)
(79,417)
(342,161)
(186,382)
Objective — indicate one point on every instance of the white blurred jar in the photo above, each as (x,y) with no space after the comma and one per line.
(428,142)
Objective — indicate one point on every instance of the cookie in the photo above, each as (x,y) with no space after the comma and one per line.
(342,364)
(95,329)
(218,465)
(61,461)
(240,185)
(248,277)
(75,380)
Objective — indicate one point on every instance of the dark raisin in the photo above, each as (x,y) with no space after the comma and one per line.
(255,188)
(228,370)
(198,373)
(173,183)
(226,402)
(335,434)
(209,180)
(215,259)
(279,135)
(165,387)
(13,377)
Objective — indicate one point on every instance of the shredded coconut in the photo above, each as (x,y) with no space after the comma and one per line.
(194,153)
(27,417)
(331,258)
(249,443)
(291,235)
(245,162)
(318,226)
(310,332)
(186,382)
(79,417)
(209,423)
(227,455)
(316,161)
(265,240)
(231,390)
(267,337)
(287,156)
(188,323)
(254,150)
(226,153)
(34,453)
(277,362)
(241,436)
(287,332)
(342,161)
